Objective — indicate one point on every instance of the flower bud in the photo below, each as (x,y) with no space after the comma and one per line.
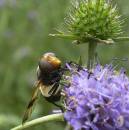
(93,19)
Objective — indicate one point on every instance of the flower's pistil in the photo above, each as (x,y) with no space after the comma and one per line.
(97,100)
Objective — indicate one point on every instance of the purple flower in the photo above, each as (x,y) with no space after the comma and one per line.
(97,100)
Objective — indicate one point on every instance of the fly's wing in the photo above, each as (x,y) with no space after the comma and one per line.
(45,90)
(34,97)
(54,89)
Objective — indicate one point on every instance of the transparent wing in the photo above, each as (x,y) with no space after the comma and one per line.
(54,89)
(34,97)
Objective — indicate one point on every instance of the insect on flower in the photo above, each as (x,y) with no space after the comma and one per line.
(49,74)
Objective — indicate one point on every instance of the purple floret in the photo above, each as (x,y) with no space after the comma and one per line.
(97,100)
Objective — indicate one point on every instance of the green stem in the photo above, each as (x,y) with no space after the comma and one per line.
(53,117)
(91,54)
(68,127)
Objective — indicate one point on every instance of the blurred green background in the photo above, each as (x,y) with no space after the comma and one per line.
(24,29)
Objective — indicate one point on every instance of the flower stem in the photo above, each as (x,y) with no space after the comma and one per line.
(68,127)
(53,117)
(91,54)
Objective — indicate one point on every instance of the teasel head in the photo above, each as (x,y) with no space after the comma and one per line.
(87,20)
(95,18)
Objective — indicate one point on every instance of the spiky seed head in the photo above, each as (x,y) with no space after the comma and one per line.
(95,18)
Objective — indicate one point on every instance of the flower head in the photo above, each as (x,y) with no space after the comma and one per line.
(93,18)
(97,100)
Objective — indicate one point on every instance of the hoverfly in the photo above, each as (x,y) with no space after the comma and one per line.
(49,74)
